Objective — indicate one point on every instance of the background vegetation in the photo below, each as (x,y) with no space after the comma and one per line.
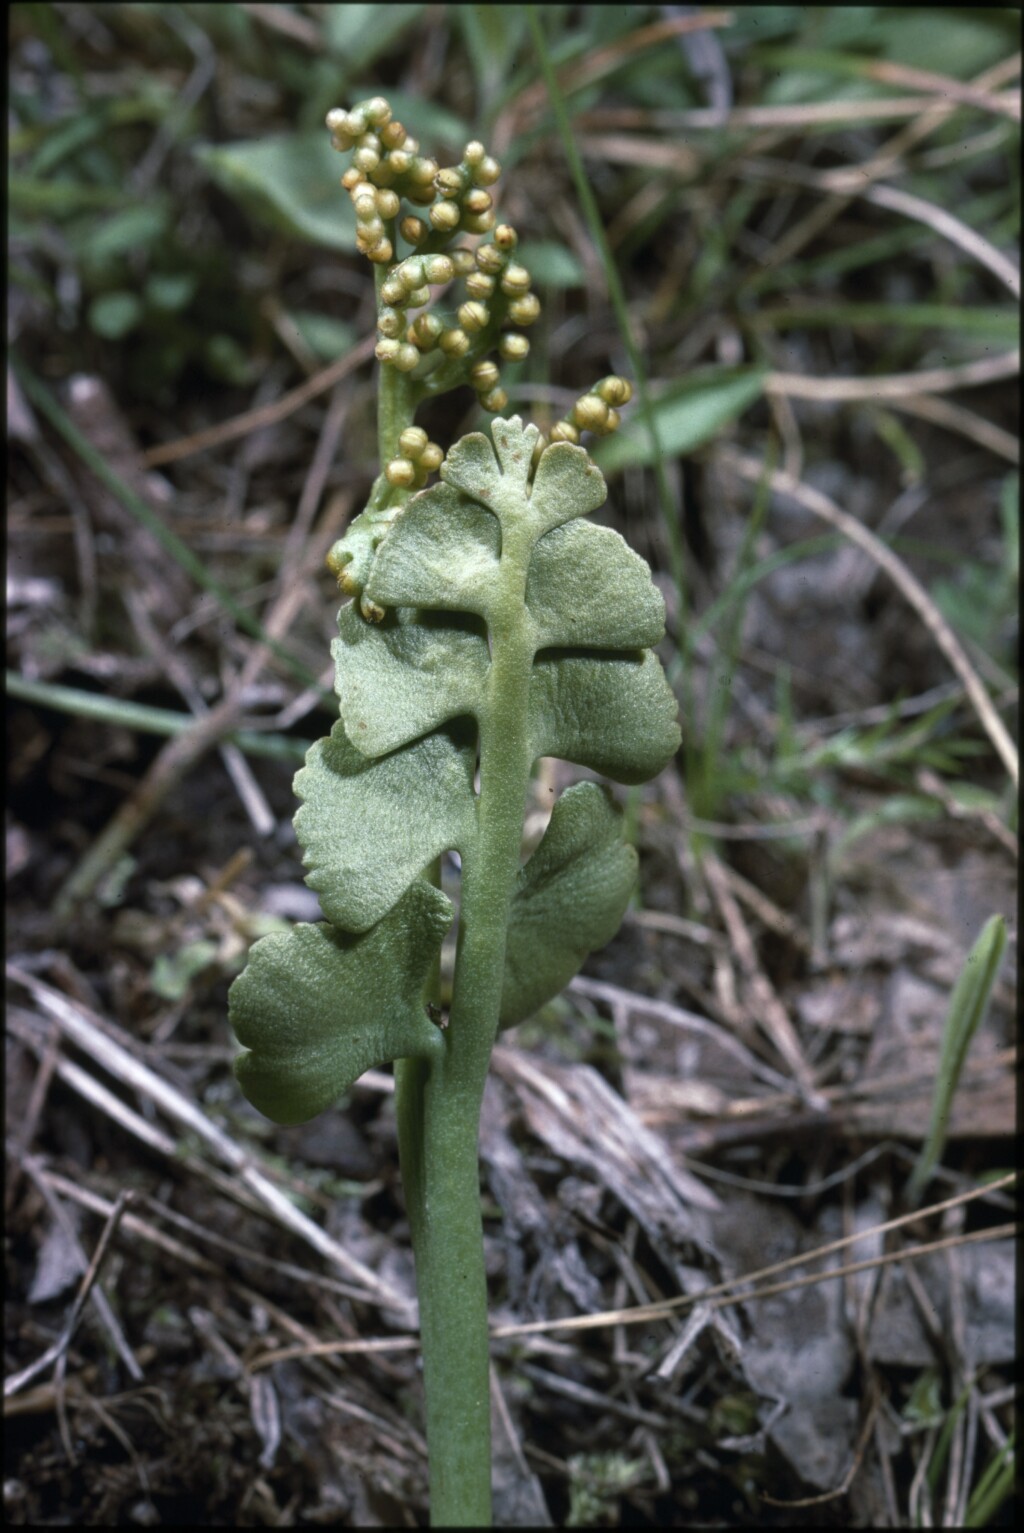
(796,228)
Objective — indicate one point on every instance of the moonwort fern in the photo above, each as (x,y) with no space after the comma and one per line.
(490,624)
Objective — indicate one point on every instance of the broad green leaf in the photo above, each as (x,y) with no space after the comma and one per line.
(316,1007)
(368,828)
(493,35)
(685,420)
(326,336)
(131,231)
(615,714)
(473,466)
(173,973)
(355,551)
(400,678)
(586,588)
(359,34)
(114,315)
(567,484)
(441,552)
(569,899)
(289,181)
(552,265)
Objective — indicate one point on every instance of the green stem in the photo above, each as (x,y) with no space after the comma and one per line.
(397,394)
(437,1130)
(438,1104)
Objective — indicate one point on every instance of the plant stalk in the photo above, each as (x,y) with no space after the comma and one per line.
(438,1104)
(397,396)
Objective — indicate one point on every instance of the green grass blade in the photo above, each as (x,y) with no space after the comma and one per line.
(995,1485)
(145,718)
(967,1007)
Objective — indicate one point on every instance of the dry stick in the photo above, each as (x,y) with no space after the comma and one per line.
(110,1320)
(949,88)
(173,761)
(936,380)
(929,782)
(888,157)
(22,1025)
(953,417)
(142,1229)
(58,1351)
(260,814)
(134,1225)
(278,18)
(851,184)
(266,415)
(952,229)
(853,1466)
(48,1054)
(768,1010)
(691,1021)
(85,1030)
(813,500)
(285,607)
(798,115)
(297,541)
(522,112)
(644,1314)
(180,754)
(765,909)
(931,118)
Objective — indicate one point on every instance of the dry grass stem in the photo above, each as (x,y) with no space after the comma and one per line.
(765,1008)
(88,1035)
(933,380)
(267,415)
(956,417)
(722,1292)
(751,470)
(798,115)
(528,105)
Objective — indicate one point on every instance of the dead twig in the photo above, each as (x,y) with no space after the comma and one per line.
(721,1293)
(956,417)
(935,380)
(266,415)
(797,115)
(766,1008)
(689,1021)
(173,762)
(57,1353)
(910,587)
(851,183)
(173,663)
(932,784)
(848,1477)
(87,1033)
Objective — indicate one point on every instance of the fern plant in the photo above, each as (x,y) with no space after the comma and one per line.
(490,624)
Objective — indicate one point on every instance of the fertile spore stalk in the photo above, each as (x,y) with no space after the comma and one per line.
(489,625)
